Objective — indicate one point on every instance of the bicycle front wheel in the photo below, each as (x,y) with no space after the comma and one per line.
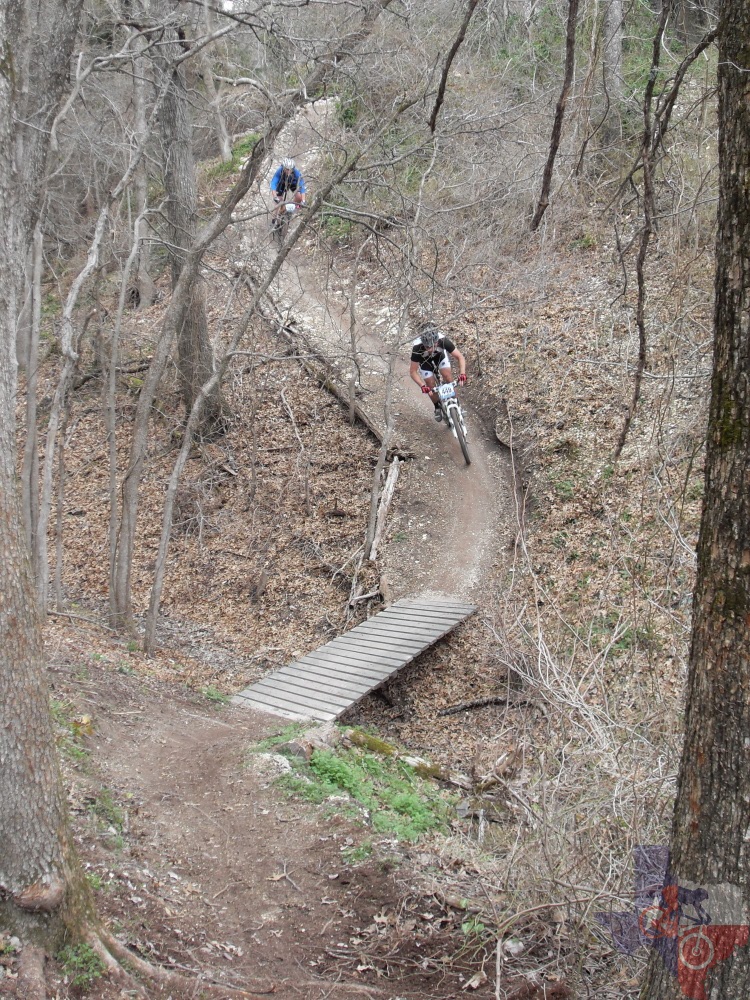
(458,427)
(279,230)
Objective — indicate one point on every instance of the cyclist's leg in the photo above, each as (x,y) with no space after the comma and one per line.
(279,200)
(445,370)
(430,379)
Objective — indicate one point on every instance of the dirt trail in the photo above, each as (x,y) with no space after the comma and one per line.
(450,521)
(220,875)
(216,873)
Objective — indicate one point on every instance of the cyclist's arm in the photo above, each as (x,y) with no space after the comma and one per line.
(414,373)
(461,361)
(301,183)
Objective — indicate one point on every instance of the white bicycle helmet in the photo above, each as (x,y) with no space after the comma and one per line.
(287,164)
(429,334)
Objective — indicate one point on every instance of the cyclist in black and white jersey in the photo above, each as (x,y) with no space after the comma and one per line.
(431,355)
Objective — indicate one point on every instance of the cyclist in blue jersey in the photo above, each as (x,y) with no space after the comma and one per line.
(431,355)
(286,182)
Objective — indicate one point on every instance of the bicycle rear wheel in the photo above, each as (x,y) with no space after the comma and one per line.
(458,426)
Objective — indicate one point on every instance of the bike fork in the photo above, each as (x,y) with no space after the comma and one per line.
(451,415)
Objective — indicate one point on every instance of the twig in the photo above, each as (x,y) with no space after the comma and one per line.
(80,618)
(490,700)
(364,597)
(227,886)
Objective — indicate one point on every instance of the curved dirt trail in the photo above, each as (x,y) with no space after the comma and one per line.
(450,522)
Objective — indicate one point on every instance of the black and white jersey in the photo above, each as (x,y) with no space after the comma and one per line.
(431,360)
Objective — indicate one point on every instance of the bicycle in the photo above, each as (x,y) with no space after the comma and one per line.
(280,222)
(453,414)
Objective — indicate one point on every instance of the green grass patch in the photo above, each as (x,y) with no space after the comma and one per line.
(240,151)
(107,811)
(353,855)
(81,965)
(51,306)
(695,491)
(586,241)
(336,228)
(393,798)
(565,489)
(213,694)
(70,730)
(560,540)
(282,736)
(347,111)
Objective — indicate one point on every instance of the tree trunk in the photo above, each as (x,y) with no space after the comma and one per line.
(43,34)
(194,349)
(711,827)
(144,289)
(612,66)
(562,101)
(30,467)
(41,889)
(214,97)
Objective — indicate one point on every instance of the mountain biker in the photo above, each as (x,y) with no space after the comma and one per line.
(431,355)
(287,180)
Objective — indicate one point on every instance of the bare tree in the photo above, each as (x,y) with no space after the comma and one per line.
(144,289)
(655,126)
(42,890)
(710,844)
(278,114)
(612,28)
(470,8)
(44,35)
(212,92)
(570,61)
(194,349)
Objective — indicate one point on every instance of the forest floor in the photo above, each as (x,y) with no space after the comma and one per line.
(198,859)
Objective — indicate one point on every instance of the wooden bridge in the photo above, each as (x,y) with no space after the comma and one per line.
(324,683)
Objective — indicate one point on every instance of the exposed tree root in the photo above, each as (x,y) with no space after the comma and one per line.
(120,963)
(31,974)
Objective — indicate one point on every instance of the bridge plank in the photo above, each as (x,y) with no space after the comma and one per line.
(326,681)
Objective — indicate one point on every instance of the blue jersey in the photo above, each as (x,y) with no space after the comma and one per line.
(283,183)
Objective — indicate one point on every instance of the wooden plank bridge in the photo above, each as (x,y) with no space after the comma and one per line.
(332,678)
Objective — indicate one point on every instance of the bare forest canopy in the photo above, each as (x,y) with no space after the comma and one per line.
(454,126)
